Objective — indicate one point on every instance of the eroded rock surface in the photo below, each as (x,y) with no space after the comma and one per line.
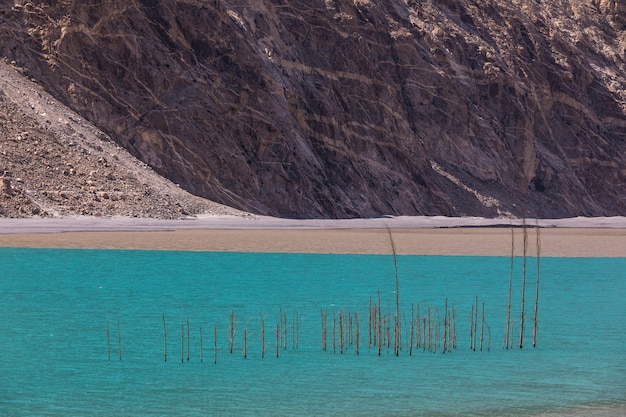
(349,108)
(55,163)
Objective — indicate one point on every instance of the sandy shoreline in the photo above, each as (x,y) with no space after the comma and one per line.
(580,237)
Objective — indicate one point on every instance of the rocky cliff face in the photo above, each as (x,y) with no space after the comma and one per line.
(349,107)
(55,163)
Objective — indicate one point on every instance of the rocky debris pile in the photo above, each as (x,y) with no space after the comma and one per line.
(54,163)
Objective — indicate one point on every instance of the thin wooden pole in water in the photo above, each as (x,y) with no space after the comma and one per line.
(482,326)
(437,331)
(412,324)
(326,329)
(396,335)
(262,337)
(388,330)
(380,324)
(297,330)
(537,286)
(108,342)
(188,332)
(445,326)
(449,331)
(285,330)
(522,315)
(476,323)
(347,320)
(418,323)
(430,334)
(322,321)
(453,328)
(245,343)
(507,324)
(119,338)
(323,316)
(396,329)
(200,344)
(334,332)
(348,329)
(164,340)
(341,336)
(451,334)
(215,344)
(374,325)
(424,341)
(277,336)
(231,332)
(280,326)
(356,340)
(369,326)
(472,328)
(408,330)
(350,338)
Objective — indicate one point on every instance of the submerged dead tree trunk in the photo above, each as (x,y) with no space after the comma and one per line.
(454,345)
(341,335)
(417,329)
(444,346)
(369,326)
(396,331)
(482,326)
(356,336)
(182,343)
(380,324)
(262,337)
(245,344)
(507,324)
(277,337)
(537,287)
(297,330)
(119,338)
(231,332)
(285,331)
(412,329)
(525,248)
(334,332)
(108,342)
(164,340)
(324,315)
(472,328)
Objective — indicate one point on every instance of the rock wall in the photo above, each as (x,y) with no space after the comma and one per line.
(55,163)
(310,108)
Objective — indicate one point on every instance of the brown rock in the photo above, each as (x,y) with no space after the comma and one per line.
(6,185)
(341,109)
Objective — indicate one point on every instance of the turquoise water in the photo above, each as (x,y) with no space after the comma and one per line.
(55,360)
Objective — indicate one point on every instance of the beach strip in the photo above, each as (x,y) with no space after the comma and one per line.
(460,241)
